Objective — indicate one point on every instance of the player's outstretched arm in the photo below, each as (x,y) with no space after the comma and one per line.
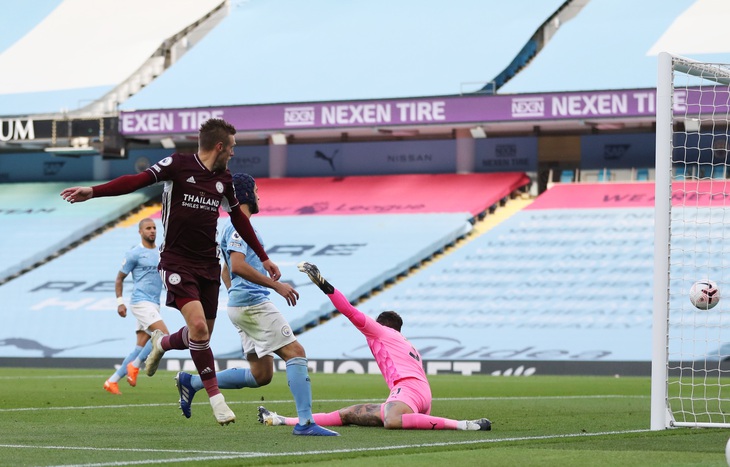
(119,186)
(361,321)
(315,276)
(77,194)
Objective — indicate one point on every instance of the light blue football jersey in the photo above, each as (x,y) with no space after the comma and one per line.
(242,292)
(142,263)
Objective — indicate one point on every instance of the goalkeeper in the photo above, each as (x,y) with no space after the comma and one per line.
(409,403)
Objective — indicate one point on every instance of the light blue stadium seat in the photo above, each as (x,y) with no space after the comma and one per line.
(642,175)
(718,171)
(48,223)
(680,173)
(604,175)
(548,237)
(566,176)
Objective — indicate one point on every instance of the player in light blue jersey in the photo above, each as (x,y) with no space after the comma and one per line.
(263,329)
(141,261)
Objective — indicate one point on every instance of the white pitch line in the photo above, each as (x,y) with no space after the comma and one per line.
(15,378)
(284,401)
(224,455)
(518,398)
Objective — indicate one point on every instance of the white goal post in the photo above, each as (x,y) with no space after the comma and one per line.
(690,382)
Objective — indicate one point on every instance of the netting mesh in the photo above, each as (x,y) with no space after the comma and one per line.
(699,340)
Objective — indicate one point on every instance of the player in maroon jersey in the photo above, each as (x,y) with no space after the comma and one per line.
(195,186)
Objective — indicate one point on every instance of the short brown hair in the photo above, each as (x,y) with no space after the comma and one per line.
(214,131)
(390,319)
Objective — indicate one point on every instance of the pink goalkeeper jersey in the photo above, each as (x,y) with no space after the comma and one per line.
(395,356)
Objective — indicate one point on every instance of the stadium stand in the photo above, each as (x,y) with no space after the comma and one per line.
(680,172)
(375,242)
(388,194)
(37,223)
(604,175)
(567,279)
(564,279)
(566,176)
(77,288)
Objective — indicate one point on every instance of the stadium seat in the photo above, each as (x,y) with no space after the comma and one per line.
(680,173)
(566,176)
(49,224)
(642,175)
(562,226)
(604,175)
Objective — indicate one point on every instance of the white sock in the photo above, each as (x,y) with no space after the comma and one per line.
(217,399)
(467,425)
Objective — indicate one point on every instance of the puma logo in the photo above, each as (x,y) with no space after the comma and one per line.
(330,160)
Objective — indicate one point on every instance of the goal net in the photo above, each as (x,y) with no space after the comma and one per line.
(691,347)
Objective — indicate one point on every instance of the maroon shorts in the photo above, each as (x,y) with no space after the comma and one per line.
(198,282)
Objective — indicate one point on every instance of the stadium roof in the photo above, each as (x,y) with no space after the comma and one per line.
(613,44)
(68,54)
(63,54)
(270,51)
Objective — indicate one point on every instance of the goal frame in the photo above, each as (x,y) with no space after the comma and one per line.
(668,64)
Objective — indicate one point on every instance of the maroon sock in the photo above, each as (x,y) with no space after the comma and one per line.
(177,340)
(205,363)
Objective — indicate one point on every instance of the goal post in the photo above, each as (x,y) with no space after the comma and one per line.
(662,206)
(690,382)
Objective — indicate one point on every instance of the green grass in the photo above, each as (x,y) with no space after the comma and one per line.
(64,417)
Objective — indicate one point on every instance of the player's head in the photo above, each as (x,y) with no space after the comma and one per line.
(390,319)
(148,230)
(214,131)
(246,191)
(216,135)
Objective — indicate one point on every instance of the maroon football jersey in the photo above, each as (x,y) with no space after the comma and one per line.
(190,202)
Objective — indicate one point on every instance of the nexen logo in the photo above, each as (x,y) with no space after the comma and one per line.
(298,116)
(528,107)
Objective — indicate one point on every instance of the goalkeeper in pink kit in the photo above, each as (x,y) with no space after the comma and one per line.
(409,403)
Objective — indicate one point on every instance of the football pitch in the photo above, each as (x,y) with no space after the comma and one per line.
(64,417)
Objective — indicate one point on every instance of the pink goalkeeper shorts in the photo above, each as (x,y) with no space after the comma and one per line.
(414,393)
